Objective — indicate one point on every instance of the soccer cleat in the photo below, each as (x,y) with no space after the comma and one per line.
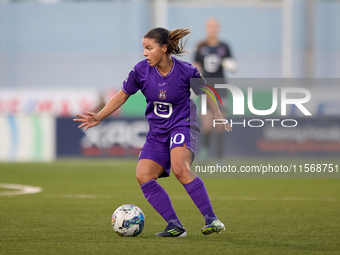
(172,231)
(214,227)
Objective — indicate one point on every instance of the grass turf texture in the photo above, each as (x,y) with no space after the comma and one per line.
(73,213)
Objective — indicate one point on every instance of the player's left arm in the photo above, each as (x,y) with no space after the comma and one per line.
(211,99)
(199,86)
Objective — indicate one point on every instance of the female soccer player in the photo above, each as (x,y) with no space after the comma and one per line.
(173,130)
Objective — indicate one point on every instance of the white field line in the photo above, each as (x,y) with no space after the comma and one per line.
(76,196)
(18,189)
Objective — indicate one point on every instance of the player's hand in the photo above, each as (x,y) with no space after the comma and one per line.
(227,127)
(89,120)
(220,117)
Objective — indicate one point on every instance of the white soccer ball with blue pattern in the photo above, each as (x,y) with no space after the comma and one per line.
(128,220)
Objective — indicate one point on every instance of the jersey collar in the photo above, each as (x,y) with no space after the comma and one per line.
(172,69)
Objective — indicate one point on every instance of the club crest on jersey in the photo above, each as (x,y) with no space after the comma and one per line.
(162,94)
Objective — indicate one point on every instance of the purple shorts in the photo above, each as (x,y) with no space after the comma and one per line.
(157,148)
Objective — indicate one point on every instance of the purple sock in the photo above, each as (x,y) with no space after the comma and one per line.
(160,200)
(198,193)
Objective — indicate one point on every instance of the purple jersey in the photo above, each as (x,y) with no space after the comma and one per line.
(168,97)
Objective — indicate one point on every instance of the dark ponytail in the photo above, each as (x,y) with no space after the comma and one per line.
(173,39)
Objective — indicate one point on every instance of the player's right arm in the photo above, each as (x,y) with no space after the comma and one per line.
(91,119)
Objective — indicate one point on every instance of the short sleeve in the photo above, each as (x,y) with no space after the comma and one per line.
(131,84)
(197,82)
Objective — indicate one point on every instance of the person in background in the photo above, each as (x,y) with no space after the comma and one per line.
(213,57)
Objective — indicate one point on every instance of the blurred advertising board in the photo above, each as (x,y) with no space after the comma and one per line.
(27,138)
(54,102)
(113,137)
(117,137)
(308,137)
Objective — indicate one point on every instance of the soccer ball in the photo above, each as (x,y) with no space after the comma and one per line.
(128,220)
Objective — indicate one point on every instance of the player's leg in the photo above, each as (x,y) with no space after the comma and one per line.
(148,170)
(180,164)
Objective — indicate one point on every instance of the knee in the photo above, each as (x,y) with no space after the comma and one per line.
(141,177)
(147,170)
(180,170)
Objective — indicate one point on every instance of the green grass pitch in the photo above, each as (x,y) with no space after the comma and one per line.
(72,215)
